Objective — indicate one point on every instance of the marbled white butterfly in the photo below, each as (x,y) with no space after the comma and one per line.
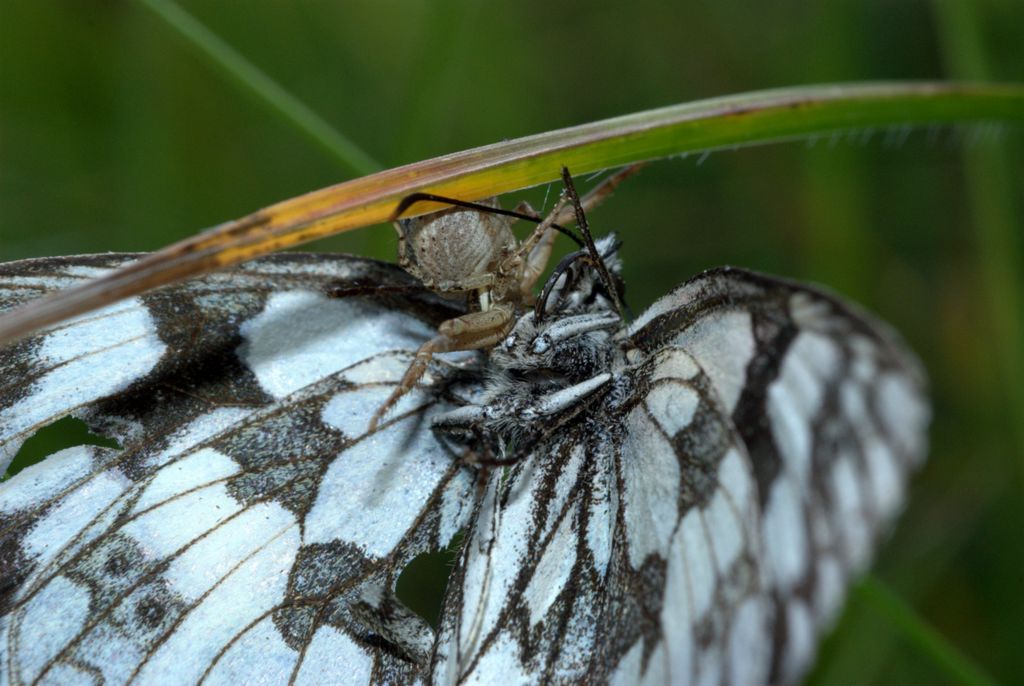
(684,498)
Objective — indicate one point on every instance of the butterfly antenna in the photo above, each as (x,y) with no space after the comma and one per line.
(588,240)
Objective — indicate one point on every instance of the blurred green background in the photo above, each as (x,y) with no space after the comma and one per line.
(115,135)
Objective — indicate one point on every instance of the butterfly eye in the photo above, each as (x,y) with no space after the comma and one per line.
(510,342)
(541,344)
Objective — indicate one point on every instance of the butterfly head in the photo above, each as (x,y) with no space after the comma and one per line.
(567,337)
(576,286)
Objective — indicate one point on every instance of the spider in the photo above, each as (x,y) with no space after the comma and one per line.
(470,249)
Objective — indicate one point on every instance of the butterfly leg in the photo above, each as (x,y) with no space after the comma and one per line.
(472,331)
(526,414)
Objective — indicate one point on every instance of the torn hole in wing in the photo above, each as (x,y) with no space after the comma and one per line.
(422,584)
(63,433)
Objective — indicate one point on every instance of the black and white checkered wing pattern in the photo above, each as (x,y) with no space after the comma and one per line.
(249,531)
(699,515)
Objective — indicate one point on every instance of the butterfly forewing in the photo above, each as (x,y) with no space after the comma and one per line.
(699,521)
(248,528)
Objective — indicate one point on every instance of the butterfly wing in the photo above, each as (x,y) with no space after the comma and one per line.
(700,521)
(248,530)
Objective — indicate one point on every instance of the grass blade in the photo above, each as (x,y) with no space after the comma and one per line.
(251,79)
(922,635)
(991,179)
(747,119)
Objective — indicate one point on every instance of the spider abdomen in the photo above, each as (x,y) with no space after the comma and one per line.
(456,250)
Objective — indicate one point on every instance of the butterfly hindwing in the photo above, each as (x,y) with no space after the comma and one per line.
(832,413)
(699,520)
(248,527)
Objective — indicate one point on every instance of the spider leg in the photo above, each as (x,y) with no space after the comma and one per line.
(472,331)
(599,193)
(537,248)
(540,244)
(536,263)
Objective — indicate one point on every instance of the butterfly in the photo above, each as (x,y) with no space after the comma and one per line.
(682,499)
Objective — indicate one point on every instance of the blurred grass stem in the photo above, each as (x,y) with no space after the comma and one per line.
(902,616)
(258,84)
(991,180)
